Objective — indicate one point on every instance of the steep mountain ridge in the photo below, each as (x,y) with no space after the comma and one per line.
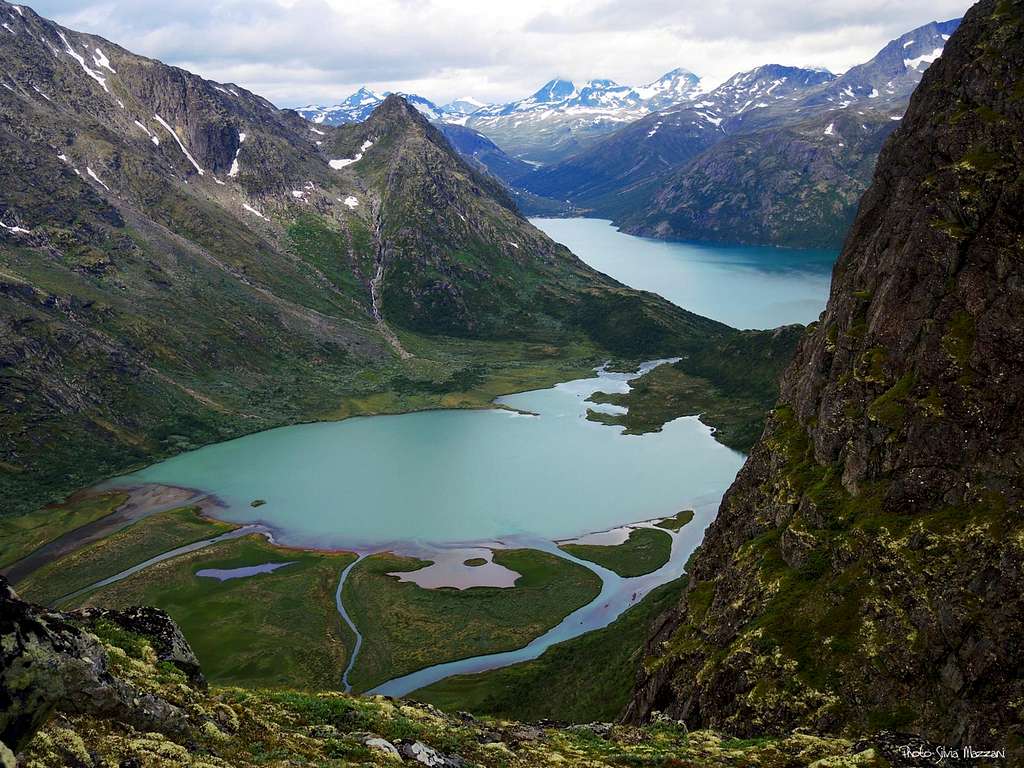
(138,193)
(894,72)
(865,569)
(762,86)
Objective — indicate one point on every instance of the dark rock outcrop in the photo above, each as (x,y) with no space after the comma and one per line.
(866,569)
(48,663)
(163,634)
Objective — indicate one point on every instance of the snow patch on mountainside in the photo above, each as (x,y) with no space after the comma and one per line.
(97,179)
(924,58)
(81,60)
(252,210)
(180,145)
(234,163)
(102,61)
(339,164)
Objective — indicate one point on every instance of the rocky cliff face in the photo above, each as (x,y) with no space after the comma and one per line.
(867,566)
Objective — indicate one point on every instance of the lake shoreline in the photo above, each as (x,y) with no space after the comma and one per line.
(749,287)
(327,486)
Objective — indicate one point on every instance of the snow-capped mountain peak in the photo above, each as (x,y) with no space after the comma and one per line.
(357,107)
(464,105)
(360,104)
(895,71)
(554,91)
(363,97)
(671,88)
(761,87)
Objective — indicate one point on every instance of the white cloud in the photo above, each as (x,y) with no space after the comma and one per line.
(299,51)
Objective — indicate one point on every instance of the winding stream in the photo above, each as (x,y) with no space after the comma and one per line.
(351,625)
(616,596)
(245,530)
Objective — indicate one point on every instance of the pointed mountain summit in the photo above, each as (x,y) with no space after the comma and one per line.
(554,91)
(357,107)
(674,87)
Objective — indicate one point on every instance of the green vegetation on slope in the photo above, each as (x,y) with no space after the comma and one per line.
(22,535)
(465,373)
(582,680)
(406,627)
(269,630)
(137,543)
(254,728)
(645,551)
(731,385)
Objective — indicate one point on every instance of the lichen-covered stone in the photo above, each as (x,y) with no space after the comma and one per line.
(164,635)
(383,746)
(49,663)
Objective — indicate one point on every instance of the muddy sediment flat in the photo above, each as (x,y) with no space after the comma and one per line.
(143,501)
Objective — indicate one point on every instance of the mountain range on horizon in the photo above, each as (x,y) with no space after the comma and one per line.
(598,95)
(600,105)
(773,156)
(675,159)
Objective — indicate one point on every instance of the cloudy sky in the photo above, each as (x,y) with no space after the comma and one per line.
(297,52)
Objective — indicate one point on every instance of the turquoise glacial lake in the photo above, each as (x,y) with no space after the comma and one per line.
(741,286)
(446,477)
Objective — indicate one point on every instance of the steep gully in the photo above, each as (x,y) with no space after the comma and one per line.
(375,293)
